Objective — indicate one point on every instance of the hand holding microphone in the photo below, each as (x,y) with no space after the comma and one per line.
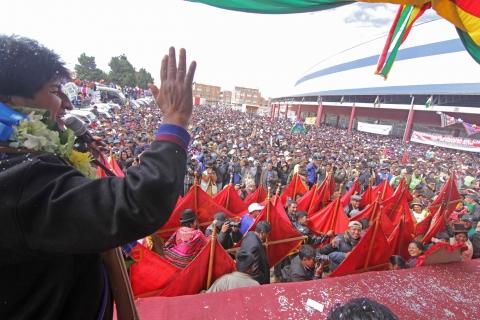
(94,144)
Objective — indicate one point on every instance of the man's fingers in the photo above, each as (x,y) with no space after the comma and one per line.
(163,69)
(154,90)
(190,74)
(182,65)
(172,64)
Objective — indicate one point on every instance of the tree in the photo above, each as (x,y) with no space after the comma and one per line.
(122,71)
(86,69)
(143,78)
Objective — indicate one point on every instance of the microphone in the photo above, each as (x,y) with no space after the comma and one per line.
(85,138)
(79,129)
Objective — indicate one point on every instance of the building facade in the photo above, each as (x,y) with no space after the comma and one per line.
(210,93)
(242,95)
(226,97)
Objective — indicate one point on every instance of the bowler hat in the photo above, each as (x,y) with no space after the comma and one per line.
(188,216)
(244,260)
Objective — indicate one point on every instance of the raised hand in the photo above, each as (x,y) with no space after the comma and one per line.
(175,94)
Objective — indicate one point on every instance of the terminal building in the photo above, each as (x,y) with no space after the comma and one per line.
(433,77)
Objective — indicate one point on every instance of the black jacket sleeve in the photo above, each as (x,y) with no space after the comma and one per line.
(49,207)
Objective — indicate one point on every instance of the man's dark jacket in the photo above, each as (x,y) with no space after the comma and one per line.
(252,244)
(54,223)
(296,272)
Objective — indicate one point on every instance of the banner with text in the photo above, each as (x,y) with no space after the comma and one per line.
(457,143)
(374,128)
(310,120)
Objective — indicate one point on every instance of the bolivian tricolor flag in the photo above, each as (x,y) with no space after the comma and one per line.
(464,14)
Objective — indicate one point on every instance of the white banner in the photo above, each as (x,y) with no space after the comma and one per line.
(374,128)
(458,143)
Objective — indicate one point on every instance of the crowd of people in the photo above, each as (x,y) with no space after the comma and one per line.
(60,221)
(254,151)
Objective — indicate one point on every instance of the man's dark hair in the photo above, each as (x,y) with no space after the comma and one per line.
(263,226)
(306,251)
(361,309)
(26,65)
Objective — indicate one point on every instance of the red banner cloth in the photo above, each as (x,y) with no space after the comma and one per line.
(332,217)
(379,255)
(399,240)
(317,197)
(258,196)
(193,278)
(229,199)
(282,229)
(204,207)
(110,163)
(295,187)
(354,189)
(150,273)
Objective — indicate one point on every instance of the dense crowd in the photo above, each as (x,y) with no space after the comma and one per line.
(249,151)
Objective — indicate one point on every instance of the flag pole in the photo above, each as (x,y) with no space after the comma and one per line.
(195,193)
(268,217)
(213,240)
(228,192)
(376,220)
(295,186)
(317,186)
(334,216)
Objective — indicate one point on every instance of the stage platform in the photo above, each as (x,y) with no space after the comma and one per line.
(448,291)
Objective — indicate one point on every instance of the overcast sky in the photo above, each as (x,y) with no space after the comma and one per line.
(269,52)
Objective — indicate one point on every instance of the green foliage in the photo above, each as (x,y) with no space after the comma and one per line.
(144,78)
(122,71)
(86,69)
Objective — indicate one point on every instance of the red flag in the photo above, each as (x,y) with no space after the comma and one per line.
(193,278)
(372,247)
(447,201)
(201,203)
(229,198)
(150,273)
(355,189)
(282,229)
(317,197)
(448,195)
(396,208)
(332,217)
(257,196)
(399,240)
(111,164)
(367,197)
(295,187)
(383,190)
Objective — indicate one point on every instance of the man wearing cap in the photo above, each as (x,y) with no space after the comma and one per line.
(184,245)
(238,279)
(227,234)
(343,244)
(313,239)
(252,243)
(353,207)
(248,218)
(417,210)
